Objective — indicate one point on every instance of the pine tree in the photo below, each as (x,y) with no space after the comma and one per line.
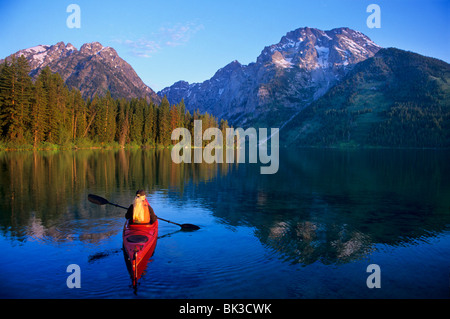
(78,125)
(39,116)
(164,132)
(149,124)
(182,114)
(24,87)
(174,115)
(91,114)
(105,120)
(10,116)
(111,118)
(137,120)
(189,121)
(123,122)
(56,96)
(7,99)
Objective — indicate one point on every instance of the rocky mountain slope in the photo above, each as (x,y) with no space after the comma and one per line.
(394,99)
(285,78)
(93,69)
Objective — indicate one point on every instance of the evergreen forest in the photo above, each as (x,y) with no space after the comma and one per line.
(46,113)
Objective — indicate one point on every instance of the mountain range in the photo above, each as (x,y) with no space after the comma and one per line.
(285,78)
(94,69)
(321,88)
(331,88)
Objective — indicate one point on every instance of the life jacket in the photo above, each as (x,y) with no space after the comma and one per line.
(141,212)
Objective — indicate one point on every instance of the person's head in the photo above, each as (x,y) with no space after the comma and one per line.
(140,193)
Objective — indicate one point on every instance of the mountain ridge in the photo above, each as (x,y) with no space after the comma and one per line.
(333,88)
(93,69)
(322,88)
(286,77)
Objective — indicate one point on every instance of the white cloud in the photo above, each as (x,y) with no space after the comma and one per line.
(166,36)
(142,47)
(179,34)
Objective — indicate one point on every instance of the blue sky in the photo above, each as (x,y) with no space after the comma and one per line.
(170,40)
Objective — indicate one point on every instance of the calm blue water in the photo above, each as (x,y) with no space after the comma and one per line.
(309,231)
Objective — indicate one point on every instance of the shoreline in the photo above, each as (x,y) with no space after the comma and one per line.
(54,147)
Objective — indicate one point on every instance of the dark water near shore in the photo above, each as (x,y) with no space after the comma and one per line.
(308,231)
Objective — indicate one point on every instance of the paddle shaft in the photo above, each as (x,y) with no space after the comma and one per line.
(168,221)
(102,201)
(117,205)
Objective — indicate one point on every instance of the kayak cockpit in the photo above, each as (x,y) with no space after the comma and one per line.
(137,239)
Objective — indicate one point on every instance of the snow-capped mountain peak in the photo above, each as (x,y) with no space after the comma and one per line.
(286,76)
(93,69)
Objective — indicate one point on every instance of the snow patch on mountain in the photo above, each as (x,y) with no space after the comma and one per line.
(36,49)
(322,56)
(280,61)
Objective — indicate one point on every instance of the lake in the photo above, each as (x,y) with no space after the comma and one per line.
(309,231)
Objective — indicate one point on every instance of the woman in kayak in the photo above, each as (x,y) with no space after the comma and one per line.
(140,212)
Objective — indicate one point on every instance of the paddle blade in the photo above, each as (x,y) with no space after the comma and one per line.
(97,199)
(189,227)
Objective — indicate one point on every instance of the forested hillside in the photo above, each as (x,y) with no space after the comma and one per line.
(394,99)
(46,114)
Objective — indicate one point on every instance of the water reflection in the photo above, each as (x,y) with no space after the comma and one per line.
(334,206)
(307,242)
(43,194)
(330,206)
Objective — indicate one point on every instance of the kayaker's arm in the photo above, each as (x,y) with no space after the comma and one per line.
(153,217)
(129,213)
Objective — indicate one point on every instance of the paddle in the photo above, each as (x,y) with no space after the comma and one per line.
(103,201)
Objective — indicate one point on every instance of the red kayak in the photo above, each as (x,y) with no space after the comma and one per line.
(139,243)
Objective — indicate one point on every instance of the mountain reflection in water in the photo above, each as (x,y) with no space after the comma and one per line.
(330,206)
